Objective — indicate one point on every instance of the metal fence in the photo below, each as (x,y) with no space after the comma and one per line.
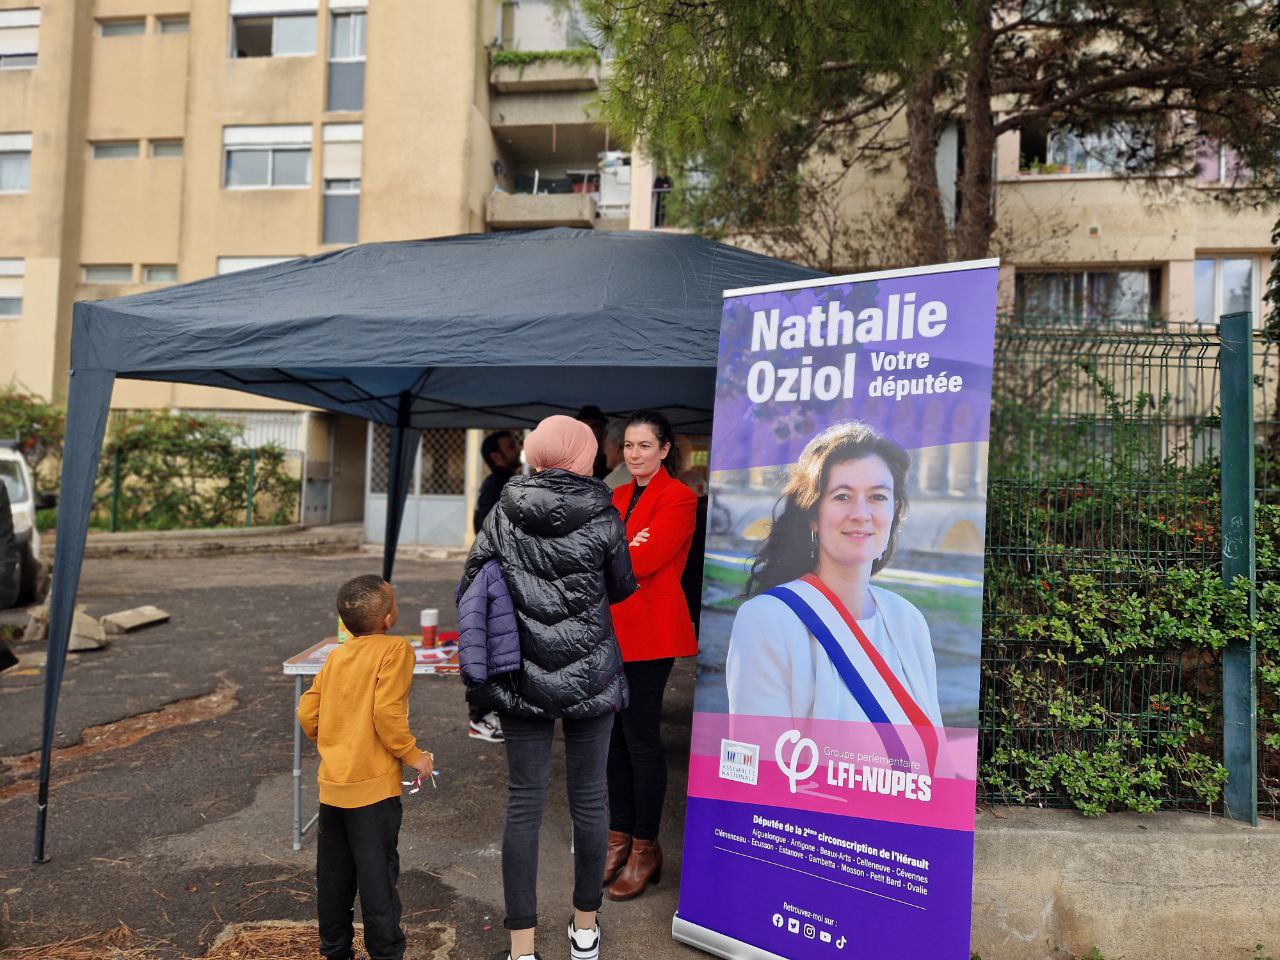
(1104,495)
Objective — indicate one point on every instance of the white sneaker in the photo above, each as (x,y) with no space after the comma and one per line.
(584,944)
(488,729)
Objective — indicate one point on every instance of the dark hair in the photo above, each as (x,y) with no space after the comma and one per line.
(661,428)
(489,445)
(363,602)
(786,554)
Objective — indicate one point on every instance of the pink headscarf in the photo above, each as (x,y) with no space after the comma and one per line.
(562,443)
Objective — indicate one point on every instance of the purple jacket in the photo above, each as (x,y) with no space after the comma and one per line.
(488,640)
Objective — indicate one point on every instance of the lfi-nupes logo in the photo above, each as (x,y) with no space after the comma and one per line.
(797,757)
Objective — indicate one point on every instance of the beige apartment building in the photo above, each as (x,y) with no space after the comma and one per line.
(148,142)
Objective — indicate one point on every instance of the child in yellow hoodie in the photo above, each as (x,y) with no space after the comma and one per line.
(357,713)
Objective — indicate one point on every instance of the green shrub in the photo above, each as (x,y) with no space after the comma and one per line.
(182,470)
(37,425)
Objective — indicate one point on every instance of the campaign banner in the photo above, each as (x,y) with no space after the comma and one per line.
(833,763)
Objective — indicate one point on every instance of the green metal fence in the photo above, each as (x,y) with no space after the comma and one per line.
(1267,490)
(1105,619)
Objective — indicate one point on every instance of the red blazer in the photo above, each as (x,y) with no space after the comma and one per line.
(654,621)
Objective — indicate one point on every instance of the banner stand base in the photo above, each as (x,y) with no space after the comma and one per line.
(717,944)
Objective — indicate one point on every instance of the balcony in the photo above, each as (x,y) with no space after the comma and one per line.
(552,71)
(528,211)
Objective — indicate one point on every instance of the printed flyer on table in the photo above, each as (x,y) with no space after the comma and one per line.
(833,765)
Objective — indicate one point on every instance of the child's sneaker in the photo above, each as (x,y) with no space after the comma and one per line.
(487,728)
(584,944)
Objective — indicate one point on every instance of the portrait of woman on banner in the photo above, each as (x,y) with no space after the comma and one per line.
(816,639)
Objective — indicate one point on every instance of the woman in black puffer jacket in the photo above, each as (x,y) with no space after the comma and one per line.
(563,552)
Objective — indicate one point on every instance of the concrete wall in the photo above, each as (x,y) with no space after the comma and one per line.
(1051,884)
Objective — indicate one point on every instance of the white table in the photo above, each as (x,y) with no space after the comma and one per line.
(427,661)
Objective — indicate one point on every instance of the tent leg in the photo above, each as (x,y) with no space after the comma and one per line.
(403,455)
(88,400)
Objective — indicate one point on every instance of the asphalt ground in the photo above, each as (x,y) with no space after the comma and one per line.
(188,829)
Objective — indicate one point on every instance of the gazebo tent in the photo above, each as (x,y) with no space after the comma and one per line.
(470,331)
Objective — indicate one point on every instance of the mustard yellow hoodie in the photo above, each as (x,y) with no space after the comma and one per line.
(357,712)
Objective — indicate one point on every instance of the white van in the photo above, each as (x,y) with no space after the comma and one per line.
(15,475)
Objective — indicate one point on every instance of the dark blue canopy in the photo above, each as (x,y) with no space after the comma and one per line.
(481,330)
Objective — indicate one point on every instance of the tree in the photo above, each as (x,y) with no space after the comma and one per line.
(770,96)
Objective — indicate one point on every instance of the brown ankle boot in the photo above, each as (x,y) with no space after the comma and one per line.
(643,867)
(619,850)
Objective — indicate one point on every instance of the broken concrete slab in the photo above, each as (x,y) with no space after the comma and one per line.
(86,633)
(37,628)
(126,621)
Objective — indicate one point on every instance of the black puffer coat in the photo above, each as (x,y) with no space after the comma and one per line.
(563,551)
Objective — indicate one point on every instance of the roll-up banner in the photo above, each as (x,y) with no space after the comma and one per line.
(832,770)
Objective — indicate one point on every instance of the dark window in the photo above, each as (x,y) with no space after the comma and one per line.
(252,36)
(341,211)
(346,85)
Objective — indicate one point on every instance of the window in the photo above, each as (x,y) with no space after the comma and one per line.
(1225,285)
(19,38)
(11,272)
(347,40)
(166,148)
(174,25)
(15,162)
(236,264)
(1120,149)
(274,36)
(108,273)
(115,150)
(15,171)
(341,211)
(269,167)
(342,159)
(1216,163)
(160,273)
(1094,296)
(267,156)
(346,62)
(122,28)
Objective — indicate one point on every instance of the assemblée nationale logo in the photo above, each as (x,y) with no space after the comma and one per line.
(739,761)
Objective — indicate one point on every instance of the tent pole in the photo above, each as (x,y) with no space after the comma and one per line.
(404,449)
(88,400)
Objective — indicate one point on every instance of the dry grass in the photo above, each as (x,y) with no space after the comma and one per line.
(266,940)
(271,940)
(119,943)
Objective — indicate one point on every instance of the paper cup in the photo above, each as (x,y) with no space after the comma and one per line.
(430,620)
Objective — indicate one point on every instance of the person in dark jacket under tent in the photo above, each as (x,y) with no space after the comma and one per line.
(563,553)
(501,453)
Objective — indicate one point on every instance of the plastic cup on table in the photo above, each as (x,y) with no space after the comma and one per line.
(430,621)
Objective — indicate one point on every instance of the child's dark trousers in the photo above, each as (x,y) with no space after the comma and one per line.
(356,849)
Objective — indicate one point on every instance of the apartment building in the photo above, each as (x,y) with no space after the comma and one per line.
(148,142)
(1088,242)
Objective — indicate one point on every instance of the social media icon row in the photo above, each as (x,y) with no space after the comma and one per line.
(810,931)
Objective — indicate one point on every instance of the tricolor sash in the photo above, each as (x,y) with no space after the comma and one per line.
(876,712)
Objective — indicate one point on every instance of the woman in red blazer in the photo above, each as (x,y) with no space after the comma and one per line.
(653,628)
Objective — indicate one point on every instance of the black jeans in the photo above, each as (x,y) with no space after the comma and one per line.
(637,760)
(586,748)
(357,849)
